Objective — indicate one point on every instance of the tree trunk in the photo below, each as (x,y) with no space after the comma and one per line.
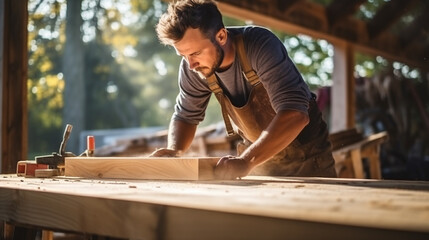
(73,69)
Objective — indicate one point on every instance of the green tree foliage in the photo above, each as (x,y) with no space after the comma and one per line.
(45,83)
(312,57)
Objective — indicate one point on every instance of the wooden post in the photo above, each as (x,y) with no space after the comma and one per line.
(14,83)
(356,158)
(7,231)
(47,235)
(343,94)
(1,77)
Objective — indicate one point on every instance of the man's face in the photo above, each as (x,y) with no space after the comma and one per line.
(202,55)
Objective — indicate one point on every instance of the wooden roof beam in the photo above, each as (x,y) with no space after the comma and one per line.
(418,27)
(340,9)
(308,18)
(413,41)
(307,14)
(276,8)
(419,49)
(387,15)
(284,6)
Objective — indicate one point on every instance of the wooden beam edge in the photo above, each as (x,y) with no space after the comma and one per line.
(360,44)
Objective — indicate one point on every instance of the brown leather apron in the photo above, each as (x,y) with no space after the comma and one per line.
(308,155)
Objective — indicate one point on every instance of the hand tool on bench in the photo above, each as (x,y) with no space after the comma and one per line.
(47,165)
(56,160)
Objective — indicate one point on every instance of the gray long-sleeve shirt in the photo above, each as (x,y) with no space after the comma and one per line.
(268,57)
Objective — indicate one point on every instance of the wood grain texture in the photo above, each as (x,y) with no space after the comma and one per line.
(14,85)
(251,208)
(140,168)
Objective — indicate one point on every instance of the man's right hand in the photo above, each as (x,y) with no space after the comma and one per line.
(165,152)
(232,167)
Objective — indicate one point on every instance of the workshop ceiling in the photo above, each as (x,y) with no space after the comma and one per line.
(395,29)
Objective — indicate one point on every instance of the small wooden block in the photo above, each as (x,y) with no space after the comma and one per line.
(46,173)
(141,168)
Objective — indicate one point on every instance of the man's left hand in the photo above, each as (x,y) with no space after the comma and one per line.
(231,167)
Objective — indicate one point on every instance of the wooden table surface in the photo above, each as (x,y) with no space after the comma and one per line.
(250,208)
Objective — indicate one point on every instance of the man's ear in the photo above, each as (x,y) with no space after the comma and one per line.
(222,36)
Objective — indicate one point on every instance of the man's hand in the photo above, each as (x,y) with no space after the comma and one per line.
(165,152)
(232,167)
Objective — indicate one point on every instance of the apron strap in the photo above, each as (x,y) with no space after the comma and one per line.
(214,87)
(248,73)
(247,70)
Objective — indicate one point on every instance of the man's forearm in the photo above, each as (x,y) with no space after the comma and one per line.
(284,128)
(180,135)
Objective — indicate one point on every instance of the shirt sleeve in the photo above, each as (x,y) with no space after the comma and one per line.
(193,97)
(279,75)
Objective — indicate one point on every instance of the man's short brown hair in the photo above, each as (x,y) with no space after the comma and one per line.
(182,14)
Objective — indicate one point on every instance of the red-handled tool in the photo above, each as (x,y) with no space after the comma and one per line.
(90,146)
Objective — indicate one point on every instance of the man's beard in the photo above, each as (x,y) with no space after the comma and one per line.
(218,61)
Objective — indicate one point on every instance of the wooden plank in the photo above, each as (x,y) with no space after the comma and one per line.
(251,208)
(375,139)
(141,168)
(344,138)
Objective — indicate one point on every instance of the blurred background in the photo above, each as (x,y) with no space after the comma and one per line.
(98,65)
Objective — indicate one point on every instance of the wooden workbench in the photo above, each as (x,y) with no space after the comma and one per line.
(250,208)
